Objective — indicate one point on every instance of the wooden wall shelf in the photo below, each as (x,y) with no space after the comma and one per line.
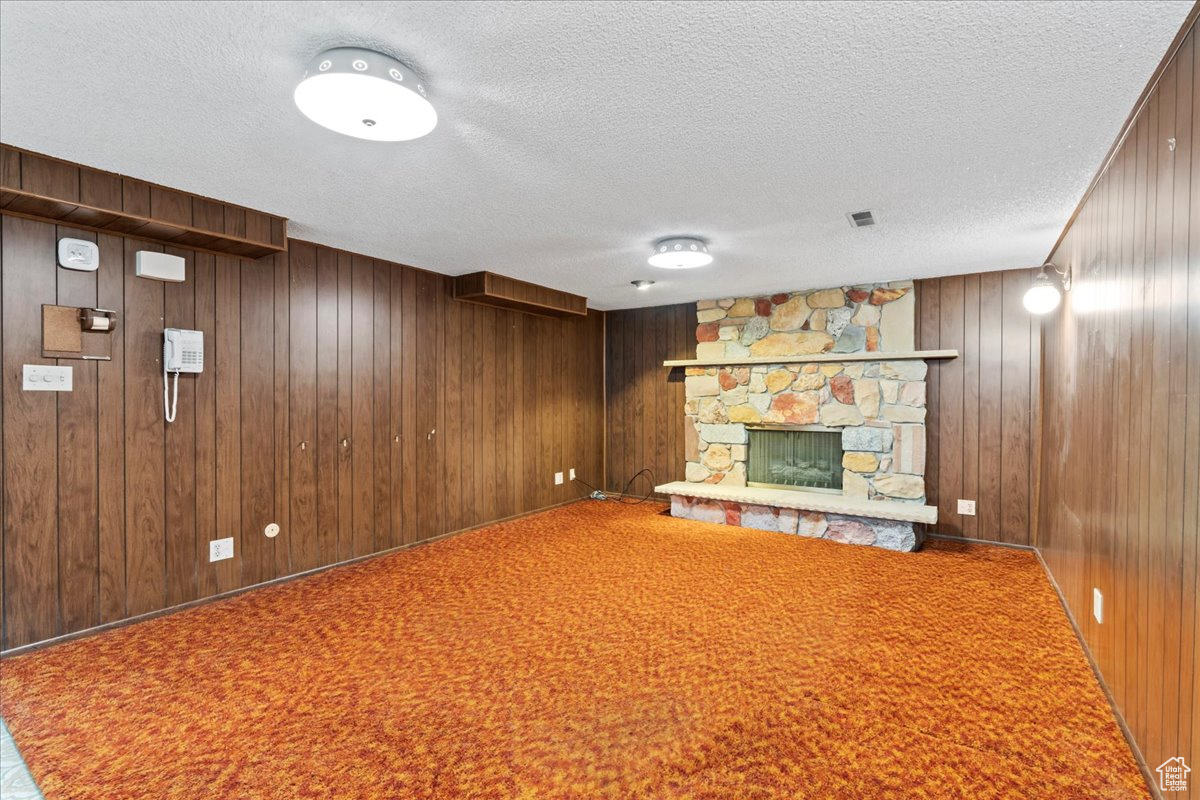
(818,358)
(490,289)
(47,189)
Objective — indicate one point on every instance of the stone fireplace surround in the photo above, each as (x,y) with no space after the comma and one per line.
(805,358)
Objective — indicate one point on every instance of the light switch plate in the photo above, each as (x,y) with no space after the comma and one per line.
(966,508)
(220,549)
(572,473)
(42,378)
(1098,604)
(558,479)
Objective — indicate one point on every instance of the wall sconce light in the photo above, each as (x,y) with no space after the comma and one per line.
(1043,296)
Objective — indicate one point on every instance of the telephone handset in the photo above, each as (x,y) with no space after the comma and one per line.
(183,351)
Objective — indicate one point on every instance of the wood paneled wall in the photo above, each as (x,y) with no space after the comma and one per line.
(454,414)
(645,399)
(1120,467)
(982,406)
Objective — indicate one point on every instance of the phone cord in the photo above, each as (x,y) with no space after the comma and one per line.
(169,403)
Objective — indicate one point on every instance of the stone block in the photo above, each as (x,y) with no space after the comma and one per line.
(811,524)
(909,370)
(762,306)
(855,485)
(837,415)
(738,452)
(899,536)
(744,413)
(850,531)
(761,402)
(796,408)
(758,382)
(836,320)
(903,414)
(741,375)
(792,344)
(702,305)
(695,473)
(853,339)
(827,298)
(908,487)
(860,462)
(886,295)
(726,379)
(736,476)
(691,442)
(728,333)
(787,520)
(808,381)
(816,320)
(789,315)
(735,350)
(710,351)
(898,324)
(842,388)
(710,315)
(707,332)
(778,380)
(726,302)
(912,393)
(742,307)
(890,390)
(701,386)
(759,517)
(855,371)
(680,506)
(754,330)
(908,454)
(866,397)
(877,440)
(717,458)
(866,316)
(708,511)
(726,434)
(712,411)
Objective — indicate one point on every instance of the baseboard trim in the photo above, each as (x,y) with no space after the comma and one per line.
(162,612)
(947,538)
(1147,775)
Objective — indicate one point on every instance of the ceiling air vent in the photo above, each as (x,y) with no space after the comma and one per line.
(861,219)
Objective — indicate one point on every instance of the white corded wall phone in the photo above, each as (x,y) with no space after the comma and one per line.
(183,351)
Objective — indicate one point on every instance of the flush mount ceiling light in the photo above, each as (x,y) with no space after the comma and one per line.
(680,252)
(365,94)
(1043,296)
(642,284)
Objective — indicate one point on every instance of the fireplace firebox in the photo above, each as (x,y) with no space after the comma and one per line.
(807,457)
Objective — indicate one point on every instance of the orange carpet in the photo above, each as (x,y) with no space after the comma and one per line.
(592,651)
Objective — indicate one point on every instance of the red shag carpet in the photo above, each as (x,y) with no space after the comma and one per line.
(596,650)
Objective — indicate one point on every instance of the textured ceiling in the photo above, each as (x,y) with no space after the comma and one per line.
(572,135)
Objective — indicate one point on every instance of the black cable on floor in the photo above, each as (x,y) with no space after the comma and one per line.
(625,491)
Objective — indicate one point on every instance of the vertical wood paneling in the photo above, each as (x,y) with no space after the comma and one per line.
(310,346)
(1120,439)
(30,474)
(145,517)
(78,428)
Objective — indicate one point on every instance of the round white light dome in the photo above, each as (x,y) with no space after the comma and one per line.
(680,252)
(365,94)
(1042,297)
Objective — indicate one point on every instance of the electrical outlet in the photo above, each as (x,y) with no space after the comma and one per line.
(220,549)
(966,508)
(571,473)
(558,479)
(1098,605)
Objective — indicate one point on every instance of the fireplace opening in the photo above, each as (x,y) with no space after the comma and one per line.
(795,457)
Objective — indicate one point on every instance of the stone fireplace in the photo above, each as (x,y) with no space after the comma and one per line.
(806,414)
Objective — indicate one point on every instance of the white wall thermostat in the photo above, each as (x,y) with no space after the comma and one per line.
(159,266)
(78,254)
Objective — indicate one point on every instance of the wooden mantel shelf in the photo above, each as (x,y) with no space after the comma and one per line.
(907,355)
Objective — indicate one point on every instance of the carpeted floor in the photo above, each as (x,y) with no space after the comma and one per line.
(592,651)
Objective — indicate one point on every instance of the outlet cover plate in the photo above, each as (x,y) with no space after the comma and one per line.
(1098,604)
(571,473)
(966,508)
(220,549)
(558,479)
(43,378)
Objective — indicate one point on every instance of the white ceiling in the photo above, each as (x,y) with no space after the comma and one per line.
(572,135)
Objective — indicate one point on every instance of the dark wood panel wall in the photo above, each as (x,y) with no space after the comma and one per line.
(982,406)
(351,400)
(1120,467)
(645,422)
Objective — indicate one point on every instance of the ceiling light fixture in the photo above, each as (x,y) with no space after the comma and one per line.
(366,95)
(1043,296)
(680,252)
(643,285)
